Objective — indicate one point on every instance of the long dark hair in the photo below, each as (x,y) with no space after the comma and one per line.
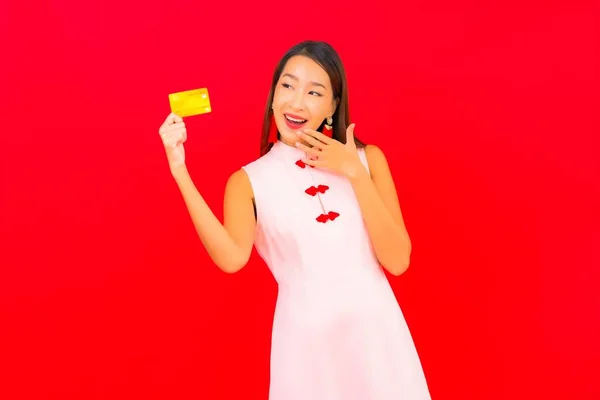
(324,55)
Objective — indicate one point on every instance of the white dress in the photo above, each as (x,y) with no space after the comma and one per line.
(338,332)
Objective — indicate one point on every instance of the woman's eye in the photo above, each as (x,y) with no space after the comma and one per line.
(312,93)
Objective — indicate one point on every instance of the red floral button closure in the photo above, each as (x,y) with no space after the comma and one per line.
(330,216)
(302,164)
(314,191)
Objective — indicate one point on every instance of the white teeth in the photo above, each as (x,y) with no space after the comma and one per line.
(295,120)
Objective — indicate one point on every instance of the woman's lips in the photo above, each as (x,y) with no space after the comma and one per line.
(294,124)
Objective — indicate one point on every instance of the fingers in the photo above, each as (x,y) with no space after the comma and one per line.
(171,122)
(314,163)
(173,131)
(308,136)
(173,118)
(174,138)
(350,135)
(174,127)
(316,135)
(308,150)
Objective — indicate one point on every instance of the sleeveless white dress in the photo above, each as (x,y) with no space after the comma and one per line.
(338,332)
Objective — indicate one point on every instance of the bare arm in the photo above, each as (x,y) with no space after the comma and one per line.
(230,244)
(381,210)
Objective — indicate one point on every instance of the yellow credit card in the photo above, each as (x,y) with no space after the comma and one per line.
(190,102)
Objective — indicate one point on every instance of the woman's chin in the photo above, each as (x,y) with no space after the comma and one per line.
(289,137)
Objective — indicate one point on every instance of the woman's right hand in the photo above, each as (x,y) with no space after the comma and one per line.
(173,134)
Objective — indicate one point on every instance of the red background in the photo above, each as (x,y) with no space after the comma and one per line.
(487,112)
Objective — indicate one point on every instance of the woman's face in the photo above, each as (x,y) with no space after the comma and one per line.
(303,97)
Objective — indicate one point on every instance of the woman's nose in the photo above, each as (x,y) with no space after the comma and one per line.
(297,100)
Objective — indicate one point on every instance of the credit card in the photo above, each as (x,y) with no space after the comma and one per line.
(190,102)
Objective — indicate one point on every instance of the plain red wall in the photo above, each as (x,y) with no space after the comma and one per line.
(487,111)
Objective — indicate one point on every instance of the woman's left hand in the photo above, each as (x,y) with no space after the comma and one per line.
(328,153)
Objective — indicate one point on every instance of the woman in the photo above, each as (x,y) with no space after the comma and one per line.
(322,210)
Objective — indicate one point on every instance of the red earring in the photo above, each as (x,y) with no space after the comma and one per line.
(327,128)
(273,133)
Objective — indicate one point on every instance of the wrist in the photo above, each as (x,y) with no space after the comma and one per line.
(357,172)
(179,173)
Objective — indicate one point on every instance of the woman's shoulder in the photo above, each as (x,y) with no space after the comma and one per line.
(248,176)
(374,154)
(257,169)
(374,158)
(373,151)
(262,162)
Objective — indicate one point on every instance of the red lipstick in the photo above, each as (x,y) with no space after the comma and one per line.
(294,121)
